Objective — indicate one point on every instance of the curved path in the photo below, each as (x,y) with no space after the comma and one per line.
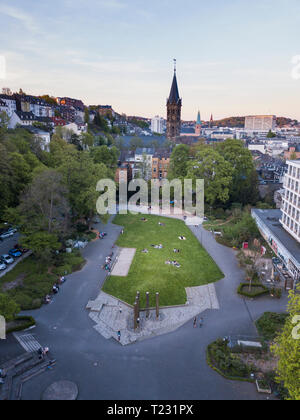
(169,367)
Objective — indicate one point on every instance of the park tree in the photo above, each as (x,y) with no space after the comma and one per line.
(44,207)
(101,122)
(287,349)
(44,245)
(81,176)
(179,162)
(216,172)
(106,155)
(59,151)
(8,308)
(20,174)
(87,140)
(244,187)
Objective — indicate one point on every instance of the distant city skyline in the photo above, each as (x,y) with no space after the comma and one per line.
(233,58)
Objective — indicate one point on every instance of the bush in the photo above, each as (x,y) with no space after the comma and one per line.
(271,324)
(257,289)
(21,323)
(244,230)
(227,364)
(276,292)
(8,307)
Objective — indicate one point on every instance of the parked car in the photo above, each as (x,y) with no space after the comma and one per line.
(2,266)
(21,249)
(6,259)
(7,234)
(15,253)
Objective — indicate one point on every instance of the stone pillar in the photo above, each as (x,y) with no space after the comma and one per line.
(157,305)
(147,305)
(138,302)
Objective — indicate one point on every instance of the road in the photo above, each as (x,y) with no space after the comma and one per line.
(171,367)
(8,243)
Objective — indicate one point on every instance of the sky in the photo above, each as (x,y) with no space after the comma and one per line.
(234,57)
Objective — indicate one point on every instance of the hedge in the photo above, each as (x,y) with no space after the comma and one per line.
(254,293)
(28,322)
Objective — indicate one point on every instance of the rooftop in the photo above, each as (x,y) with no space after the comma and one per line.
(271,219)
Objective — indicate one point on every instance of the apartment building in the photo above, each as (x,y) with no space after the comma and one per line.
(160,165)
(158,125)
(291,200)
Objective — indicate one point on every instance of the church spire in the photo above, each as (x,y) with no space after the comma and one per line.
(174,97)
(174,105)
(198,118)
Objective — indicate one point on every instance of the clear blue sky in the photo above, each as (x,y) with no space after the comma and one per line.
(234,56)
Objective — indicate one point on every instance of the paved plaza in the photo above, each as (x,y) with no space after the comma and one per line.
(112,316)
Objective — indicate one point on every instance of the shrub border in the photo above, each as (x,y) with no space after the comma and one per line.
(264,291)
(230,378)
(30,323)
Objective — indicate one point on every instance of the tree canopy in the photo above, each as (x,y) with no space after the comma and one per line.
(287,348)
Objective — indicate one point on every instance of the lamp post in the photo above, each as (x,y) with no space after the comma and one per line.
(157,305)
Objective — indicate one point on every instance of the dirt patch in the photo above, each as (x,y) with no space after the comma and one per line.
(18,282)
(264,364)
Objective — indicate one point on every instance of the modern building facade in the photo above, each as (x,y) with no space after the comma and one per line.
(174,105)
(291,200)
(281,242)
(158,125)
(260,123)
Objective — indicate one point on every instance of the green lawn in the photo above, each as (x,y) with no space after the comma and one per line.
(149,273)
(29,282)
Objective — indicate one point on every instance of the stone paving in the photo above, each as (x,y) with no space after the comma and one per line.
(123,262)
(112,315)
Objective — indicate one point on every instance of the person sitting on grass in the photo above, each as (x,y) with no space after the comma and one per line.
(176,251)
(143,219)
(145,251)
(182,238)
(161,224)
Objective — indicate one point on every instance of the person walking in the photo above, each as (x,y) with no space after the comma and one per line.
(195,322)
(119,336)
(201,323)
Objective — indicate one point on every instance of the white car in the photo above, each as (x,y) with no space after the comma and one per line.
(7,234)
(2,266)
(7,259)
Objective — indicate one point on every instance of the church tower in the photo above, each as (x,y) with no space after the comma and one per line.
(198,127)
(174,104)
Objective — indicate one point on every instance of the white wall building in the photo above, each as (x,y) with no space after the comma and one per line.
(291,200)
(257,147)
(10,103)
(157,125)
(260,123)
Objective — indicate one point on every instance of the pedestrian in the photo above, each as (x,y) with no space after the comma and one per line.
(119,335)
(201,323)
(195,322)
